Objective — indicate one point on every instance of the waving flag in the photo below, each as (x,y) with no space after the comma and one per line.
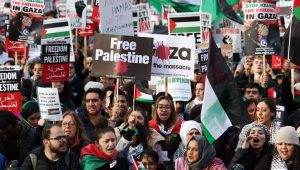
(222,106)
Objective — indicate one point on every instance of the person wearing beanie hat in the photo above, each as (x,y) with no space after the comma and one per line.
(287,152)
(254,149)
(187,131)
(93,84)
(31,113)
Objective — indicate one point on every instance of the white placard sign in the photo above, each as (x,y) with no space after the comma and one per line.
(49,104)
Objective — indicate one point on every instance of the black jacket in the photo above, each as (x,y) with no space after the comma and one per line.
(67,161)
(248,158)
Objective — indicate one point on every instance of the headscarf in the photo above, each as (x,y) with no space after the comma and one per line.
(186,127)
(207,153)
(261,126)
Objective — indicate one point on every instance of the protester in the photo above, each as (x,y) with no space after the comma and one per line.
(53,154)
(93,117)
(142,138)
(103,154)
(253,91)
(65,94)
(287,152)
(199,94)
(31,113)
(150,160)
(117,108)
(77,85)
(199,155)
(265,113)
(187,131)
(251,108)
(75,132)
(166,122)
(255,147)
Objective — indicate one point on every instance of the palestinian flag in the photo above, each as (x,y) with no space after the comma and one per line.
(56,28)
(186,24)
(218,8)
(137,165)
(142,97)
(222,106)
(297,9)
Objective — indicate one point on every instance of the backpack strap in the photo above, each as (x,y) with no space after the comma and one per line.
(33,159)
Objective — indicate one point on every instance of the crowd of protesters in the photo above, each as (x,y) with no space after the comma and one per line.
(101,130)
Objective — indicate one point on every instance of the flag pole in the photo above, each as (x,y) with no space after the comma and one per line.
(133,102)
(76,40)
(290,34)
(85,47)
(166,86)
(16,58)
(117,95)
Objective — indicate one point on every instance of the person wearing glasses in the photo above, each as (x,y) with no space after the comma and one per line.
(54,154)
(166,122)
(75,132)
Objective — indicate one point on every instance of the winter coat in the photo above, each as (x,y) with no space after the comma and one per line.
(67,161)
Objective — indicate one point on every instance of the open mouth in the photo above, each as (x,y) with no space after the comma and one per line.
(255,140)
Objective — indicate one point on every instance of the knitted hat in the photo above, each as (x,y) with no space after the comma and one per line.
(287,134)
(29,108)
(186,127)
(263,127)
(93,84)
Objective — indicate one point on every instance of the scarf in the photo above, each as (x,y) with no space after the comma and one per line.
(278,163)
(207,154)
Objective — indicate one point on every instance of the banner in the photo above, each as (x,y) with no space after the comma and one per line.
(10,95)
(26,20)
(56,59)
(122,56)
(172,56)
(116,17)
(58,31)
(193,24)
(76,11)
(90,26)
(179,88)
(261,29)
(49,104)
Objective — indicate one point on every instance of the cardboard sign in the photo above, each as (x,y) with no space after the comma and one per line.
(261,29)
(57,31)
(122,56)
(173,55)
(14,46)
(49,104)
(56,58)
(61,9)
(179,88)
(26,21)
(88,31)
(10,95)
(116,17)
(76,11)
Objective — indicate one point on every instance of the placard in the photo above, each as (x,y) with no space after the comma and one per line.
(26,20)
(76,11)
(179,88)
(172,56)
(122,56)
(49,104)
(116,17)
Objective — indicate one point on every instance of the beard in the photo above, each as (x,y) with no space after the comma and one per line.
(61,149)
